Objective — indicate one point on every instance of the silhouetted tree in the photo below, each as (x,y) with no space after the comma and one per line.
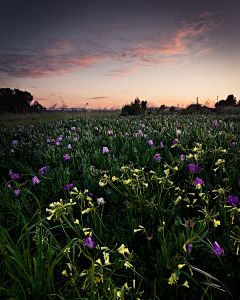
(163,106)
(17,101)
(135,107)
(230,101)
(144,105)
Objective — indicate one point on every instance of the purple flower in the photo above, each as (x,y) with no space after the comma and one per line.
(157,157)
(193,168)
(42,170)
(9,185)
(73,128)
(11,172)
(57,143)
(75,139)
(198,181)
(66,157)
(189,248)
(110,132)
(28,144)
(15,142)
(127,134)
(176,141)
(218,250)
(89,243)
(238,180)
(89,194)
(35,180)
(69,146)
(16,192)
(232,200)
(96,128)
(150,142)
(91,167)
(53,141)
(234,144)
(11,151)
(161,144)
(182,157)
(15,176)
(215,125)
(69,186)
(105,150)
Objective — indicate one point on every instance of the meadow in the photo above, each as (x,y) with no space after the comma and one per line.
(112,207)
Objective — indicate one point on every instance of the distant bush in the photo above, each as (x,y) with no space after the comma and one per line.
(172,109)
(135,108)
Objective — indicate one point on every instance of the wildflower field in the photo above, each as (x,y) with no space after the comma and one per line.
(143,207)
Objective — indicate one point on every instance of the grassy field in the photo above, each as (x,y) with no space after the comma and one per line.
(109,207)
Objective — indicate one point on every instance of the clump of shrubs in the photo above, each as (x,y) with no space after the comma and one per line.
(135,108)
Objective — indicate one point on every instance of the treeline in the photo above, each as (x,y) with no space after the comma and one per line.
(16,101)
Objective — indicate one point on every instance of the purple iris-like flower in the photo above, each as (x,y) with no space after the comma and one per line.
(157,157)
(75,139)
(198,181)
(15,142)
(16,192)
(57,143)
(96,128)
(189,248)
(15,176)
(105,150)
(234,144)
(11,172)
(11,151)
(193,168)
(53,141)
(161,144)
(9,185)
(91,167)
(89,243)
(150,142)
(69,146)
(73,128)
(217,248)
(176,141)
(89,194)
(35,180)
(182,157)
(232,200)
(127,134)
(69,186)
(110,132)
(66,157)
(43,170)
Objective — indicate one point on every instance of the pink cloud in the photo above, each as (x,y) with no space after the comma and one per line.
(163,49)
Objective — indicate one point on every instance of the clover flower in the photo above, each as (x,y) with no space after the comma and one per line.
(189,248)
(216,249)
(198,181)
(15,176)
(157,157)
(232,200)
(150,142)
(69,186)
(42,170)
(66,157)
(35,180)
(193,168)
(89,243)
(16,192)
(105,150)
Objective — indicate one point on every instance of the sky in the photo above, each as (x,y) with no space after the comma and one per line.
(107,53)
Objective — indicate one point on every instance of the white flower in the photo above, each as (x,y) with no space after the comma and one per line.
(100,201)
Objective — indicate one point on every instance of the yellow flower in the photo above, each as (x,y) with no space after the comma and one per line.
(101,183)
(216,223)
(127,181)
(166,172)
(171,281)
(181,266)
(114,178)
(76,221)
(195,149)
(64,273)
(106,258)
(215,169)
(146,184)
(198,186)
(98,262)
(86,211)
(86,191)
(186,284)
(127,264)
(176,168)
(122,249)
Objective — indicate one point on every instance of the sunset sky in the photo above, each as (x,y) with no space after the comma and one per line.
(106,53)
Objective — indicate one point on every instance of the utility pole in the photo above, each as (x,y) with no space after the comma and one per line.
(197,100)
(217,98)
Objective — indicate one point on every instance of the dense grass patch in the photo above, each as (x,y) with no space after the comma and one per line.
(110,207)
